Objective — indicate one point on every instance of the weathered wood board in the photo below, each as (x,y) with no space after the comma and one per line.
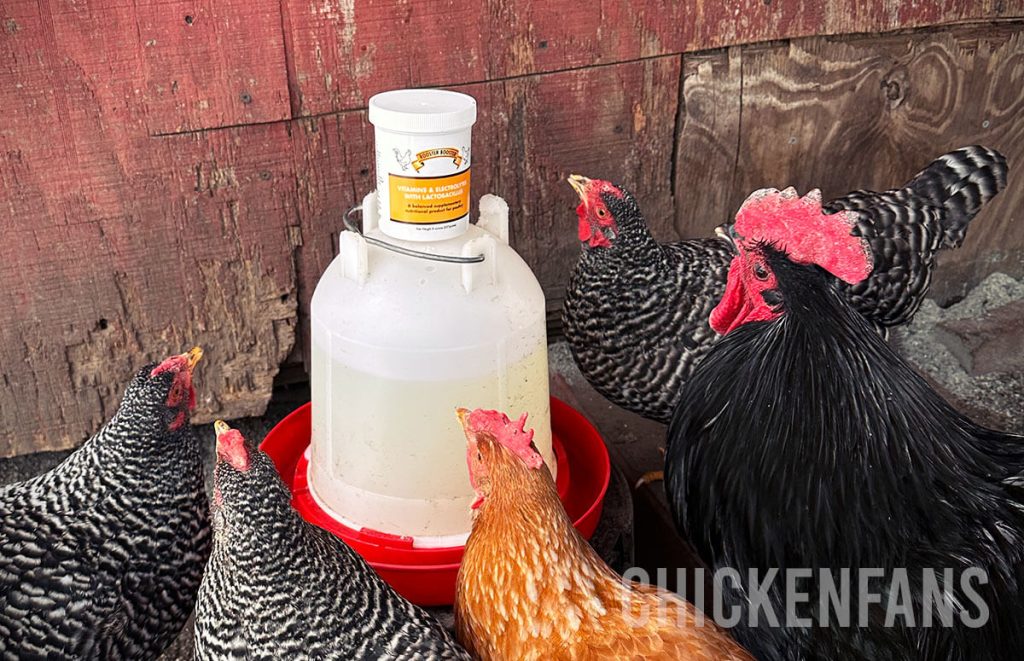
(230,229)
(342,51)
(528,137)
(212,63)
(857,113)
(166,182)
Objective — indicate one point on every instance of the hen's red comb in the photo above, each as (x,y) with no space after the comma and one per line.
(513,435)
(798,226)
(231,446)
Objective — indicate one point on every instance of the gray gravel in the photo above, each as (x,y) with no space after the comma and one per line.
(996,399)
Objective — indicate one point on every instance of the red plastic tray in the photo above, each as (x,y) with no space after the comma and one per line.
(427,576)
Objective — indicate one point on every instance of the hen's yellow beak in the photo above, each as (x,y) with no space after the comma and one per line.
(579,184)
(194,355)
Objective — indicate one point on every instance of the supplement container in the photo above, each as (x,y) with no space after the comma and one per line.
(398,343)
(423,162)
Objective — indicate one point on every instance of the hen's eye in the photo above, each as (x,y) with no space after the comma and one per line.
(479,456)
(760,272)
(602,213)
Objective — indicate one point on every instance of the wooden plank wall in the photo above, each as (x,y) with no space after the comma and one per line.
(866,112)
(175,173)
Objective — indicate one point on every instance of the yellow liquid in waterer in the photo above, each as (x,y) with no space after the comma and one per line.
(398,344)
(407,470)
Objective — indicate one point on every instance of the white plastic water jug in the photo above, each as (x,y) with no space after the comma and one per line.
(398,342)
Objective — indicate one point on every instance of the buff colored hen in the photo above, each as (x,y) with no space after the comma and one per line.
(530,586)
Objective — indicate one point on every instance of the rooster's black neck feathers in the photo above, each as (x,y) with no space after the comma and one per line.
(806,441)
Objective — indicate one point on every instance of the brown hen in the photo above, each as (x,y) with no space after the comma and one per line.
(530,586)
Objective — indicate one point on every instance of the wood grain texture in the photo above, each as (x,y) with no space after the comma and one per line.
(121,248)
(216,237)
(857,113)
(93,296)
(344,51)
(212,63)
(529,137)
(149,204)
(615,122)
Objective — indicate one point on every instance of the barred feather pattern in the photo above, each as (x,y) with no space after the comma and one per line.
(278,587)
(907,227)
(101,558)
(636,314)
(636,318)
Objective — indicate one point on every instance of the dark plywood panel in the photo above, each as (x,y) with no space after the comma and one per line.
(857,113)
(342,52)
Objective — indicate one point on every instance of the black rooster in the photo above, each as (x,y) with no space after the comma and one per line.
(803,440)
(636,310)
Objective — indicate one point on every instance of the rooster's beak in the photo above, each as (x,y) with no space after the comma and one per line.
(579,184)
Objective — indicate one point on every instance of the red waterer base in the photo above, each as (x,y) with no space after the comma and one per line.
(427,576)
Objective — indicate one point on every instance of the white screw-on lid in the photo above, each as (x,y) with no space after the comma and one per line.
(422,111)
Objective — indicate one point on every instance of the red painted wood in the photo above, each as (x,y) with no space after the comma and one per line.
(345,51)
(529,136)
(211,63)
(122,246)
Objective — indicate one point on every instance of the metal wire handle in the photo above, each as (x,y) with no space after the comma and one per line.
(419,254)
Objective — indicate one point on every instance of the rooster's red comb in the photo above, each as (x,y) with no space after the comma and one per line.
(799,227)
(513,435)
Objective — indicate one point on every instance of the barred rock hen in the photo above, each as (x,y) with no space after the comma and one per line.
(531,588)
(101,557)
(278,587)
(636,311)
(803,441)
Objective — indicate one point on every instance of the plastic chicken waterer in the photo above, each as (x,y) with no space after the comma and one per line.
(398,343)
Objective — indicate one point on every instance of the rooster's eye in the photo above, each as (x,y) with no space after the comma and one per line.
(602,213)
(479,456)
(760,272)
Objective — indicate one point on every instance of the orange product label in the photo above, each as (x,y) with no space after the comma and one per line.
(429,200)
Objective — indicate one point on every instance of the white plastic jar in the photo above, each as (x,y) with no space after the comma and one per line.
(423,140)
